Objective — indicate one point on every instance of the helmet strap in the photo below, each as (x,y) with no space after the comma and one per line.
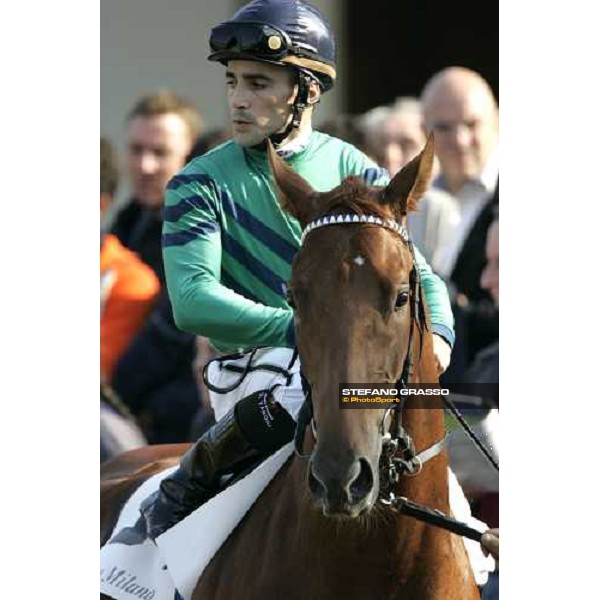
(298,108)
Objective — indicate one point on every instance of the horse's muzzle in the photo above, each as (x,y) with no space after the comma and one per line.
(340,490)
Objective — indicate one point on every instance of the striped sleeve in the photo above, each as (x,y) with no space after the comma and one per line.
(438,301)
(192,253)
(358,163)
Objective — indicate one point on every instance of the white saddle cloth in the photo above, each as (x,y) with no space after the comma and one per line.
(181,554)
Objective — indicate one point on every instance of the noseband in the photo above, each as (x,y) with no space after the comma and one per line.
(398,453)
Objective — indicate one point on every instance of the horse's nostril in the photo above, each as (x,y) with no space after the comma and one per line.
(363,483)
(316,487)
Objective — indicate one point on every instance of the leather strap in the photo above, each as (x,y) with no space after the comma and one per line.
(435,517)
(432,451)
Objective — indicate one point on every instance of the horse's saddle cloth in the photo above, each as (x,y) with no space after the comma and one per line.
(133,567)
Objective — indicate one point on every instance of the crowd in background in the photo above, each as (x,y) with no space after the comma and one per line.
(151,385)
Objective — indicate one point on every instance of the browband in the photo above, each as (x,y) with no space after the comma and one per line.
(353,219)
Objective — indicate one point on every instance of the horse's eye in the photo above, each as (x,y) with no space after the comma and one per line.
(401,299)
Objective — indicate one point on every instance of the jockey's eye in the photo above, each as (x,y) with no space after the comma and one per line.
(401,299)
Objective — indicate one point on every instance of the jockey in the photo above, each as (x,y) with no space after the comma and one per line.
(228,246)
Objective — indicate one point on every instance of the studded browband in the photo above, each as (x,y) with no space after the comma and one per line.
(352,219)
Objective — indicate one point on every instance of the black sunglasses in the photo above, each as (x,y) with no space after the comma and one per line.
(257,39)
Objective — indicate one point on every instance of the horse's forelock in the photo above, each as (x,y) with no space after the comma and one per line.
(354,195)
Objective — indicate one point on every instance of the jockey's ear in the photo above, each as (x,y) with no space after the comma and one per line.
(408,185)
(296,195)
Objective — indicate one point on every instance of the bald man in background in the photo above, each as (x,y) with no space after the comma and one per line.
(459,107)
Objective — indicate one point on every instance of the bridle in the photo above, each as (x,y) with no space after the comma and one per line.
(398,456)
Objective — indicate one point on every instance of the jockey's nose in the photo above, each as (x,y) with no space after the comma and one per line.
(239,98)
(342,489)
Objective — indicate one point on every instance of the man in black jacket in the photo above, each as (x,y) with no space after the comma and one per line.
(154,377)
(161,130)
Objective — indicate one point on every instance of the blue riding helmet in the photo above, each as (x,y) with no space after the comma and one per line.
(282,32)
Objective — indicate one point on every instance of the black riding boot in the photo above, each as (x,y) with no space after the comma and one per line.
(255,427)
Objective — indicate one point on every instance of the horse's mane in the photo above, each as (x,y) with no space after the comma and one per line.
(354,194)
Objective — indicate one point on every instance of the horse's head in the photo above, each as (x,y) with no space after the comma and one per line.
(351,289)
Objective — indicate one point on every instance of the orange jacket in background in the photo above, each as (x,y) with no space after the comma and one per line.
(128,288)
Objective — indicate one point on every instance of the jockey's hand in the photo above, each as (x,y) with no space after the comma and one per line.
(490,543)
(441,351)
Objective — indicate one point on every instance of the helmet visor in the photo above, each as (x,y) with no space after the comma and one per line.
(257,39)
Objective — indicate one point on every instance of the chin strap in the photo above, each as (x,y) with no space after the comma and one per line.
(298,108)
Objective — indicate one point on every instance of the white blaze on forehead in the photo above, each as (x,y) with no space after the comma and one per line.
(358,260)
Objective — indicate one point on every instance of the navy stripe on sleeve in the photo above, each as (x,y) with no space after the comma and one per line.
(270,238)
(257,268)
(228,281)
(372,174)
(172,214)
(180,238)
(184,179)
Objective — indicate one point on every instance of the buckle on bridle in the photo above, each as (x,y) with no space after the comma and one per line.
(415,466)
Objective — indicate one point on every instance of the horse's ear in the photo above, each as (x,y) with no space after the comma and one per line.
(295,194)
(408,185)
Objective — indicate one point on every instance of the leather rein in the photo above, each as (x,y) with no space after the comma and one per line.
(398,456)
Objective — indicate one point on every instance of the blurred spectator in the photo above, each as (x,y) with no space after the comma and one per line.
(154,377)
(207,141)
(485,370)
(460,108)
(161,129)
(344,127)
(394,134)
(477,477)
(490,542)
(118,429)
(431,226)
(204,418)
(128,287)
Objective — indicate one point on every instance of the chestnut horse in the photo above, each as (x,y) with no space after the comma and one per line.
(319,531)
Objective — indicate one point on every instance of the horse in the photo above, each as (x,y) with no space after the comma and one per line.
(319,530)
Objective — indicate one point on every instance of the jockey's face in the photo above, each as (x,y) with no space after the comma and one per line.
(260,98)
(157,147)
